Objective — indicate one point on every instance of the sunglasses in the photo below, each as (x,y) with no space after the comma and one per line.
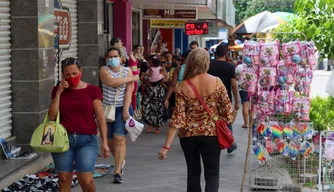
(69,61)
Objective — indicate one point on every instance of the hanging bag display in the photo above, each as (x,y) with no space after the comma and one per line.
(224,134)
(50,136)
(110,110)
(330,85)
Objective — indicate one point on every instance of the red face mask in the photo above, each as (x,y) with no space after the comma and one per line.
(74,81)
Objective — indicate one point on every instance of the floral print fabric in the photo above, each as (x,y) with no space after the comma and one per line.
(191,118)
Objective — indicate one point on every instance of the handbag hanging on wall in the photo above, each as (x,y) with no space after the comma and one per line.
(224,134)
(110,110)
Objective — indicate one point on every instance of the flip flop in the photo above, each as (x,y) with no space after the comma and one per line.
(244,126)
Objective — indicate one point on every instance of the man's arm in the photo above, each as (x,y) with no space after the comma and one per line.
(235,92)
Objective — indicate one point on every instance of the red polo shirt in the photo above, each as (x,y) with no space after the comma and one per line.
(76,109)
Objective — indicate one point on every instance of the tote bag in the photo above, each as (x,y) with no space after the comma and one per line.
(50,136)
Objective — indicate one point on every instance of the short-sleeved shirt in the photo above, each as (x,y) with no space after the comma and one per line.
(225,71)
(76,109)
(193,120)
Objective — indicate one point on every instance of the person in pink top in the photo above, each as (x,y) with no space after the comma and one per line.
(133,65)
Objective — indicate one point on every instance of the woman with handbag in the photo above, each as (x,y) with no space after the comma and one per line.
(78,103)
(117,88)
(197,130)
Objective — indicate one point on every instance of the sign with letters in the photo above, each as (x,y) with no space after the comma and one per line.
(159,23)
(171,14)
(201,28)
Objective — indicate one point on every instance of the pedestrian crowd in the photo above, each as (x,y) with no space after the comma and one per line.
(153,90)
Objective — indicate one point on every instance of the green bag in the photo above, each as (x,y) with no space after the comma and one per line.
(50,136)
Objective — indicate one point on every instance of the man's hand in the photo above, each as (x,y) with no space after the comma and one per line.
(236,106)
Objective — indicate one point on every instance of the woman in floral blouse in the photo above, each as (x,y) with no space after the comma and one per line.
(197,131)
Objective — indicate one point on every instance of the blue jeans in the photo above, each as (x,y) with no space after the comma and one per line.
(231,128)
(83,152)
(118,126)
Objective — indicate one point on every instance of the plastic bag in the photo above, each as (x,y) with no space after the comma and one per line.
(330,85)
(134,128)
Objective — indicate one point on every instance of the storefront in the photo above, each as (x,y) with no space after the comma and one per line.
(5,71)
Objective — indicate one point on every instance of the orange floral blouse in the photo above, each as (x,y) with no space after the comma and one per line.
(192,119)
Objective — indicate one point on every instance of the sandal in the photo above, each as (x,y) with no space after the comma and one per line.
(244,126)
(157,131)
(149,129)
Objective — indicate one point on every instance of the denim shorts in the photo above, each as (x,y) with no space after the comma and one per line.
(83,153)
(244,96)
(118,126)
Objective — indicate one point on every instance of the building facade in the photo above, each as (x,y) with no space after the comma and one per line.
(36,35)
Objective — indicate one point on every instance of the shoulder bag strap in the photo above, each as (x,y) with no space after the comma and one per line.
(199,97)
(118,90)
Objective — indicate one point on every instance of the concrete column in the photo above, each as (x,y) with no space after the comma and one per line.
(90,38)
(32,64)
(123,22)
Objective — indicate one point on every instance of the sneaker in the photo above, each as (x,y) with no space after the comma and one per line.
(122,170)
(118,178)
(232,148)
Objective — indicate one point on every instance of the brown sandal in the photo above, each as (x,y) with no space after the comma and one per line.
(244,126)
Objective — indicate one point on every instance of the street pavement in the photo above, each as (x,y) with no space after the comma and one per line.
(144,172)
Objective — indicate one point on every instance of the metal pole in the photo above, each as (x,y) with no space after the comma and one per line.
(320,158)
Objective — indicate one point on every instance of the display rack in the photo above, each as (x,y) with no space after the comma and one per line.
(280,173)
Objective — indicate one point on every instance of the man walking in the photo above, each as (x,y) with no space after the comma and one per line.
(226,72)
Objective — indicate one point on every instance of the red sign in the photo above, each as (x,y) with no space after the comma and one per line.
(197,28)
(188,14)
(62,17)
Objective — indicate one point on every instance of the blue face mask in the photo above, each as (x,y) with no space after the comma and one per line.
(113,62)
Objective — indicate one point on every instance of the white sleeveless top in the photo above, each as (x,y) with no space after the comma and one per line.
(109,93)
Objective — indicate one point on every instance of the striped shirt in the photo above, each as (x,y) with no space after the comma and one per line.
(109,93)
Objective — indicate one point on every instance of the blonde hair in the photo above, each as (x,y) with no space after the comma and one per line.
(197,63)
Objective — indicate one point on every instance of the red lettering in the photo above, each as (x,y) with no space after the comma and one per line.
(205,26)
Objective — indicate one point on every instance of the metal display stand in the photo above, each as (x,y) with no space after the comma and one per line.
(326,167)
(274,173)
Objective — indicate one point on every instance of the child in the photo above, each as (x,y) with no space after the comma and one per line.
(155,73)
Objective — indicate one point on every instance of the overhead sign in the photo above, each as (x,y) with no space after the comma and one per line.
(179,24)
(188,14)
(63,19)
(201,28)
(213,30)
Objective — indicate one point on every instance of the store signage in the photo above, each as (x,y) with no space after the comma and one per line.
(188,14)
(156,23)
(63,19)
(213,30)
(197,28)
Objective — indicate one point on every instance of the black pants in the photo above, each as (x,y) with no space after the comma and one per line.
(208,148)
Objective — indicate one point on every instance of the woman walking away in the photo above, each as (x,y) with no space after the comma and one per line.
(117,87)
(153,102)
(197,131)
(78,103)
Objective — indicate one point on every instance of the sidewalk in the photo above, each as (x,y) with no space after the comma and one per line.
(144,172)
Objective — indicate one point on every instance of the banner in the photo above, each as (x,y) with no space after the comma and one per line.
(179,24)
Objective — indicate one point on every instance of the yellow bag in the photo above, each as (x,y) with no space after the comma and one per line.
(50,136)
